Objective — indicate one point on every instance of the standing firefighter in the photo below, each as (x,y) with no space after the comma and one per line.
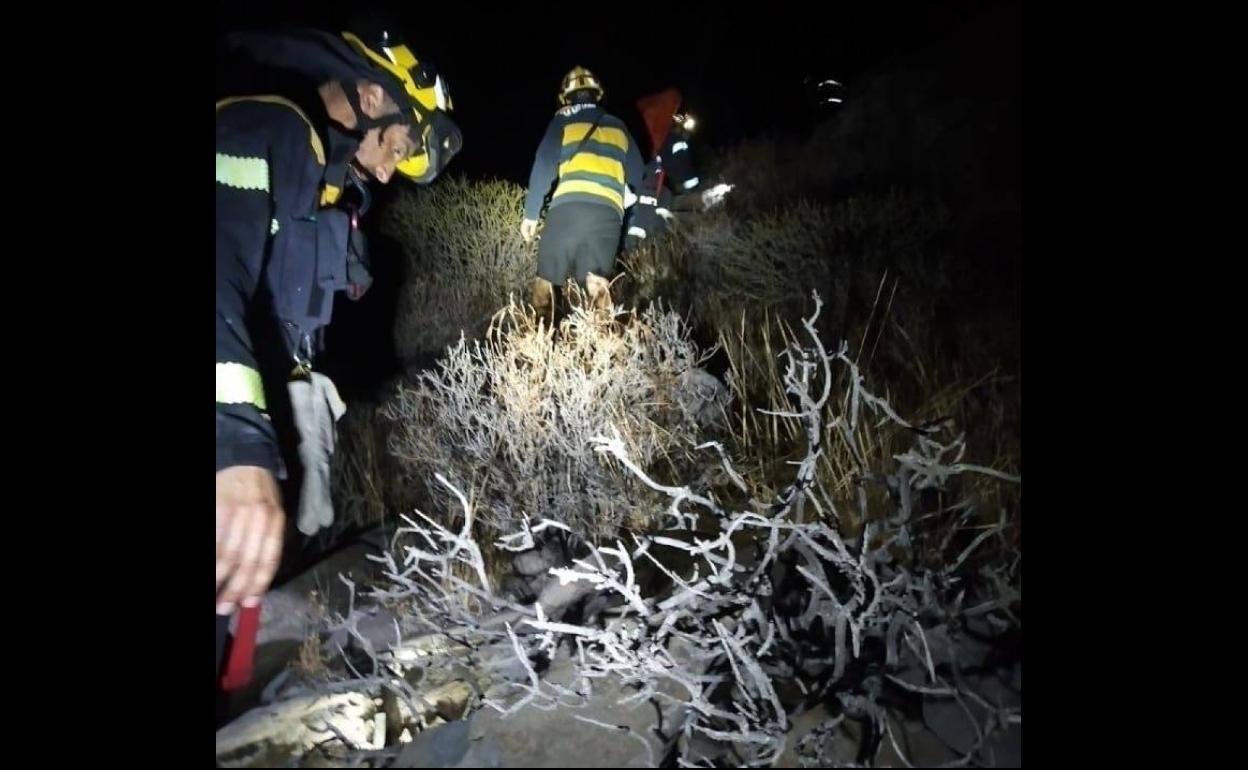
(286,239)
(670,169)
(594,160)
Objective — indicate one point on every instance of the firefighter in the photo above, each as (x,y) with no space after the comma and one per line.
(353,109)
(670,170)
(592,161)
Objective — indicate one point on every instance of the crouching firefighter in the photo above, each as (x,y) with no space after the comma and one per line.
(292,167)
(592,161)
(669,170)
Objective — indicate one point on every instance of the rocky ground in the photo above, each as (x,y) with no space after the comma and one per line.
(297,715)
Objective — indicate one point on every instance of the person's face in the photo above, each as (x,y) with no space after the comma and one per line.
(382,150)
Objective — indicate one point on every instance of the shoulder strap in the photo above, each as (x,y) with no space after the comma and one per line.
(592,127)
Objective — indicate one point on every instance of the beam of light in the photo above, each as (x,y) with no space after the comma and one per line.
(833,99)
(829,81)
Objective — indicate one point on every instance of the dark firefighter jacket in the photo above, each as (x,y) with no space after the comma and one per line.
(643,220)
(676,160)
(281,254)
(594,169)
(670,159)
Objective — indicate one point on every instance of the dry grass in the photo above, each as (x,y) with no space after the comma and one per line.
(464,256)
(982,409)
(882,266)
(511,412)
(310,664)
(510,418)
(359,482)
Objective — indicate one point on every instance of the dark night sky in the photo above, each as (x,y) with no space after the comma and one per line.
(740,71)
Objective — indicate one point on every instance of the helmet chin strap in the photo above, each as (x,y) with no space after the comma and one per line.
(363,123)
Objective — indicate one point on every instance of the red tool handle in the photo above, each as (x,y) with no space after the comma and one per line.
(239,663)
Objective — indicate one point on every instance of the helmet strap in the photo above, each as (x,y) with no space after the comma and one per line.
(363,123)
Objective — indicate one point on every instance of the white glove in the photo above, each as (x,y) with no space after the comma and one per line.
(528,228)
(715,196)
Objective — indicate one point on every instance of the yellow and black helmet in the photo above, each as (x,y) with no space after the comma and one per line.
(579,79)
(424,101)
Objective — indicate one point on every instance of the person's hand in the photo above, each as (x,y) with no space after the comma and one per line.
(250,527)
(528,228)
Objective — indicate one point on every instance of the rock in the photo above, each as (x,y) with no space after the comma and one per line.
(532,737)
(399,715)
(1014,677)
(556,597)
(950,722)
(286,615)
(840,746)
(441,746)
(505,669)
(517,589)
(351,562)
(316,759)
(920,745)
(292,610)
(377,626)
(379,730)
(946,719)
(450,700)
(702,396)
(292,727)
(1005,749)
(484,754)
(968,651)
(996,690)
(538,560)
(413,650)
(701,749)
(441,671)
(339,638)
(447,701)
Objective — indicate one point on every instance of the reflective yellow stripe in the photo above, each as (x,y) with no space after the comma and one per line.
(243,173)
(575,132)
(273,227)
(593,188)
(596,163)
(330,195)
(318,148)
(239,384)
